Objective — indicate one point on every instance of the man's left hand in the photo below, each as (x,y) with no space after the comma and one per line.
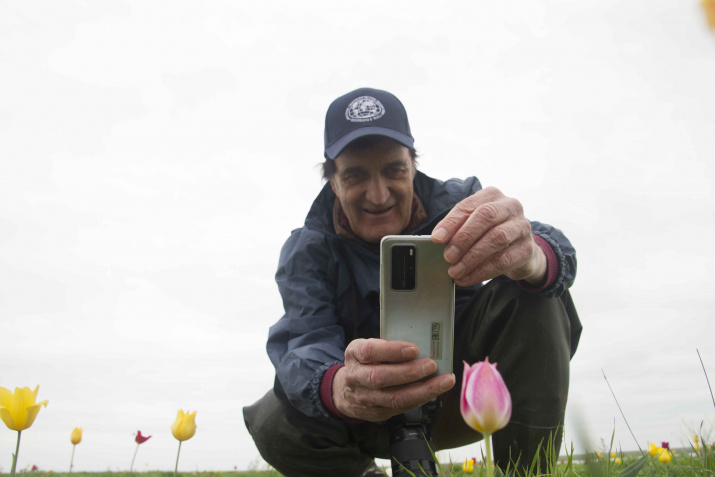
(487,235)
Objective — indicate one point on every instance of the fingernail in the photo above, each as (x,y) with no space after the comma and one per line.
(447,382)
(456,270)
(451,254)
(440,234)
(409,352)
(429,367)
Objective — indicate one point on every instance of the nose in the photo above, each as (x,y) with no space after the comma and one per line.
(377,191)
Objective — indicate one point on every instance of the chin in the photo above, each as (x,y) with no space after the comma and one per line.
(372,229)
(375,235)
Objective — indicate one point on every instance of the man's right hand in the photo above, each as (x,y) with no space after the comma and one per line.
(365,387)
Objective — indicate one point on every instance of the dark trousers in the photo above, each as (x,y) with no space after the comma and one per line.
(531,338)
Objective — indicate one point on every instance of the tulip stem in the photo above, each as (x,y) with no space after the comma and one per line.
(135,456)
(490,461)
(177,459)
(72,458)
(14,456)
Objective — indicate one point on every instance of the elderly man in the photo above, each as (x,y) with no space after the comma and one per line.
(336,384)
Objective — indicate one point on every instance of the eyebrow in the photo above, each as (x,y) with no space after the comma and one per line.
(352,169)
(398,162)
(349,170)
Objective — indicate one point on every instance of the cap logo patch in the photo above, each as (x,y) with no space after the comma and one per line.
(363,109)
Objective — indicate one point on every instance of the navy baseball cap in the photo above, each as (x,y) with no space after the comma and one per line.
(365,112)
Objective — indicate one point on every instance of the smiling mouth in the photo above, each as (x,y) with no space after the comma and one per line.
(379,211)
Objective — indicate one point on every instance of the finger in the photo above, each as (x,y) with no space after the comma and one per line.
(413,395)
(453,221)
(380,376)
(494,242)
(378,351)
(499,264)
(485,218)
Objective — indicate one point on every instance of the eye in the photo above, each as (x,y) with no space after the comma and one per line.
(396,172)
(353,177)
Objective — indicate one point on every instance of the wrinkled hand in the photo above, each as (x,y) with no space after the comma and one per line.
(363,388)
(487,235)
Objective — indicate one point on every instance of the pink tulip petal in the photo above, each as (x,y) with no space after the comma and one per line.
(485,402)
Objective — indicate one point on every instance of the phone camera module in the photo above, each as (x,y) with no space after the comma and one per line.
(404,259)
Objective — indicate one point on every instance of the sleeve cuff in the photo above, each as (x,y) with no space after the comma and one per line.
(326,394)
(552,269)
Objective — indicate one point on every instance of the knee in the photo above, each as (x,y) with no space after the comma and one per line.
(544,321)
(266,421)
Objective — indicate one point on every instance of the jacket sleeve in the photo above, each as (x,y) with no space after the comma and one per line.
(308,339)
(565,256)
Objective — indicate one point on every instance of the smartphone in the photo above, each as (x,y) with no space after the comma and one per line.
(417,297)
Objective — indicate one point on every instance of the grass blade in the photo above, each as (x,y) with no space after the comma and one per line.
(621,410)
(706,376)
(633,469)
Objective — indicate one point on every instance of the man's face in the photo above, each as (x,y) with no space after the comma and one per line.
(374,187)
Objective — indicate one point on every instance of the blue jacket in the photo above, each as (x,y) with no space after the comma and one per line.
(325,310)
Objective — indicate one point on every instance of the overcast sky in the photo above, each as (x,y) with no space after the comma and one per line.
(155,155)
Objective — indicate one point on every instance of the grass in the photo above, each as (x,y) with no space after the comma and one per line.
(685,463)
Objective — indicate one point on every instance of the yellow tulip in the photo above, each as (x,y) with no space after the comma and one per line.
(695,438)
(468,466)
(19,410)
(618,461)
(613,454)
(76,436)
(653,449)
(664,456)
(709,6)
(184,427)
(598,454)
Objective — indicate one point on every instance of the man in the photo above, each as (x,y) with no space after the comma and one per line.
(334,390)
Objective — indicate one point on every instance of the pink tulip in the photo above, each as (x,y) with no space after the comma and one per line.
(485,403)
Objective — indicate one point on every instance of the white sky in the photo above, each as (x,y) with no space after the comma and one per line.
(155,155)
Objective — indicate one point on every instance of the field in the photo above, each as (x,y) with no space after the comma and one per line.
(684,462)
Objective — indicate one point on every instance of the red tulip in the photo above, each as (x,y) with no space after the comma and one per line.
(141,439)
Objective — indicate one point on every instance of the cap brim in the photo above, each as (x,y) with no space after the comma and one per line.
(334,150)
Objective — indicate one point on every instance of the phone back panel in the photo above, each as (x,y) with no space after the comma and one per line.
(423,316)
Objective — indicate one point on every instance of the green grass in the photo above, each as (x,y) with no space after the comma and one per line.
(683,464)
(632,464)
